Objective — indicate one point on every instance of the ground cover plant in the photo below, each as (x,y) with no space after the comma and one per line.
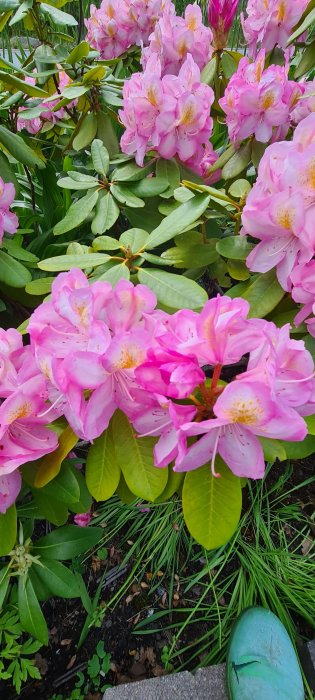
(157,280)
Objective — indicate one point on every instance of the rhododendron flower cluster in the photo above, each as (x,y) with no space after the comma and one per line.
(280,211)
(221,14)
(258,101)
(269,23)
(8,220)
(170,114)
(305,105)
(118,24)
(174,37)
(33,126)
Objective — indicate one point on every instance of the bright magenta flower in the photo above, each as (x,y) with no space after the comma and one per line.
(221,15)
(243,411)
(82,519)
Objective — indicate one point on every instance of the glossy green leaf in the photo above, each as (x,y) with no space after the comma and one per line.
(234,247)
(124,493)
(102,469)
(223,159)
(50,508)
(174,485)
(18,84)
(79,52)
(303,26)
(124,195)
(4,583)
(149,186)
(131,172)
(135,457)
(258,150)
(240,188)
(105,243)
(17,147)
(237,163)
(106,213)
(209,71)
(229,65)
(238,270)
(66,262)
(175,223)
(77,213)
(67,542)
(40,286)
(212,505)
(114,273)
(175,291)
(58,16)
(300,450)
(273,449)
(262,291)
(100,157)
(31,616)
(8,530)
(168,170)
(307,61)
(86,133)
(134,239)
(64,487)
(70,183)
(190,256)
(60,580)
(12,272)
(7,173)
(16,251)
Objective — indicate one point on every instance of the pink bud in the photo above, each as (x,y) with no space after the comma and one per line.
(221,14)
(82,519)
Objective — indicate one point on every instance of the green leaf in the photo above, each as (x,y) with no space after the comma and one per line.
(190,256)
(178,220)
(84,503)
(69,183)
(17,252)
(134,239)
(299,450)
(223,159)
(31,616)
(168,170)
(238,270)
(106,213)
(258,150)
(39,287)
(234,247)
(307,61)
(87,132)
(123,492)
(50,508)
(124,195)
(174,291)
(50,465)
(116,272)
(77,213)
(4,583)
(64,487)
(310,422)
(135,457)
(79,52)
(59,17)
(8,5)
(19,149)
(100,157)
(7,173)
(229,65)
(102,470)
(149,186)
(12,272)
(240,188)
(105,243)
(309,19)
(71,92)
(106,133)
(13,81)
(262,291)
(212,505)
(66,262)
(8,530)
(132,172)
(174,484)
(237,163)
(273,449)
(209,72)
(60,580)
(68,542)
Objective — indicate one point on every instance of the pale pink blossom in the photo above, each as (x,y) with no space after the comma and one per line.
(10,486)
(269,23)
(8,221)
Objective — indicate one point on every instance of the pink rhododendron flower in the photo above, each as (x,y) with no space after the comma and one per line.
(170,114)
(219,335)
(10,486)
(8,221)
(221,15)
(305,104)
(169,373)
(280,208)
(164,419)
(269,23)
(33,126)
(82,519)
(243,411)
(256,101)
(175,37)
(118,24)
(303,292)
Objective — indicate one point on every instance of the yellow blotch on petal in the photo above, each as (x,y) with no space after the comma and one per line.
(281,11)
(247,412)
(268,99)
(22,411)
(285,217)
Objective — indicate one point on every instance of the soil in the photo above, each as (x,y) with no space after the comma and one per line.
(132,657)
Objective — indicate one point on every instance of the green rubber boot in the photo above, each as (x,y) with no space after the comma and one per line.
(261,661)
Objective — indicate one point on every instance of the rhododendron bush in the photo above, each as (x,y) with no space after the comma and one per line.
(157,271)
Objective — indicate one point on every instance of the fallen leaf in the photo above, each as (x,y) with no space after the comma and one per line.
(65,642)
(41,664)
(306,545)
(71,662)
